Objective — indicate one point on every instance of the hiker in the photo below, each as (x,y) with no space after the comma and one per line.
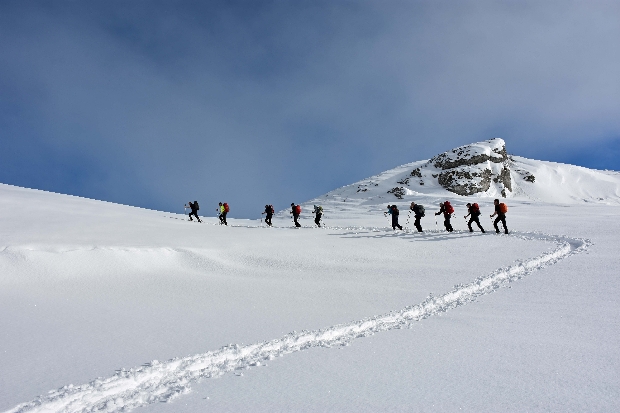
(194,210)
(220,212)
(223,210)
(296,210)
(393,210)
(446,209)
(318,213)
(269,211)
(500,211)
(389,211)
(473,210)
(418,211)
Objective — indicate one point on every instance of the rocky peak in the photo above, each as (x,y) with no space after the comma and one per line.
(493,150)
(473,168)
(478,168)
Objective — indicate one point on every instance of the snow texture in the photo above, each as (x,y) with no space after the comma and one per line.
(162,381)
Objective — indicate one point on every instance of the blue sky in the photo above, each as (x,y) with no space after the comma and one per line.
(153,104)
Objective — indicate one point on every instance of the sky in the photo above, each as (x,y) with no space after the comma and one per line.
(156,103)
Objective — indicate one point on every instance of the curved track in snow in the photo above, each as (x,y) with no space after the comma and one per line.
(163,381)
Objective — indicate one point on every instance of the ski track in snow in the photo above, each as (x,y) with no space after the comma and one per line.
(163,381)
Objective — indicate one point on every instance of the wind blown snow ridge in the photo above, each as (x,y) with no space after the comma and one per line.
(163,381)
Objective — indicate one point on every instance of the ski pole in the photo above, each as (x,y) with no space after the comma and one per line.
(408,216)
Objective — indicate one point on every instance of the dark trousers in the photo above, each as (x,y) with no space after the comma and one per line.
(268,219)
(223,218)
(501,218)
(416,223)
(447,224)
(194,213)
(395,222)
(295,218)
(477,221)
(317,219)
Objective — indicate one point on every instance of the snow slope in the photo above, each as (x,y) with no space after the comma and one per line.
(419,181)
(92,294)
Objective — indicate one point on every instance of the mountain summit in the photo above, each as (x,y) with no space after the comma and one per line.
(472,169)
(484,170)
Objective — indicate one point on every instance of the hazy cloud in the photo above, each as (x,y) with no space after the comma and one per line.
(156,103)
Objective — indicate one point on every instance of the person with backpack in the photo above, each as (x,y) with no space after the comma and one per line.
(223,210)
(394,212)
(418,212)
(447,210)
(269,211)
(194,207)
(296,211)
(500,211)
(318,213)
(473,211)
(220,212)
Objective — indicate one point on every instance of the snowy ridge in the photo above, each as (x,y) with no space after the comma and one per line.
(163,381)
(483,170)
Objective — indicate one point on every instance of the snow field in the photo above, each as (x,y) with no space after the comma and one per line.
(117,287)
(164,381)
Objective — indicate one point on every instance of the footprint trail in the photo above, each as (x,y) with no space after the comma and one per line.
(163,381)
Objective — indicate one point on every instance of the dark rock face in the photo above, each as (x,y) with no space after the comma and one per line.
(398,192)
(465,182)
(469,169)
(527,176)
(504,178)
(464,156)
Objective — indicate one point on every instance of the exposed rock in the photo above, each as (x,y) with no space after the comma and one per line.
(527,176)
(474,154)
(504,178)
(416,172)
(465,182)
(470,169)
(398,192)
(404,181)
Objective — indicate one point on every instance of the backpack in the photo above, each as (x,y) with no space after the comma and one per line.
(319,209)
(448,207)
(270,209)
(226,208)
(297,209)
(395,210)
(196,205)
(475,209)
(419,210)
(503,208)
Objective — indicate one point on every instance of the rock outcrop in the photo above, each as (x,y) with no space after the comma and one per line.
(471,169)
(477,168)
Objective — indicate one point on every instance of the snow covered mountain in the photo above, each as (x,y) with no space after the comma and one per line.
(483,170)
(106,307)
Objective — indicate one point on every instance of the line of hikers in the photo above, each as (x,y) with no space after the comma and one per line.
(222,210)
(295,212)
(445,208)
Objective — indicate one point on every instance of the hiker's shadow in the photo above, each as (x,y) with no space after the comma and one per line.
(411,236)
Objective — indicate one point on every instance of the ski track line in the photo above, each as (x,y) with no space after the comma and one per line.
(163,381)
